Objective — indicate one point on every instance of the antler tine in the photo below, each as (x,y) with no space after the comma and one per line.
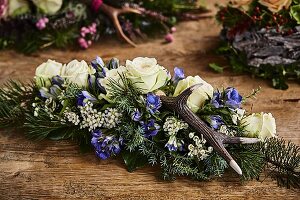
(215,139)
(113,13)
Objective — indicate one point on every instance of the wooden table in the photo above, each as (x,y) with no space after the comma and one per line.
(56,170)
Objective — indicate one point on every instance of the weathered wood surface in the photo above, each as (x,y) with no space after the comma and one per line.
(56,170)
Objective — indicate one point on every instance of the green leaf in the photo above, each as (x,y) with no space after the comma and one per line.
(133,160)
(295,13)
(216,67)
(279,83)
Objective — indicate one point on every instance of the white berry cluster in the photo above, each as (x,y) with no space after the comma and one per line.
(224,129)
(49,107)
(91,118)
(199,149)
(111,117)
(173,125)
(71,117)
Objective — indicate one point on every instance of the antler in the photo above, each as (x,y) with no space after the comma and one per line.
(113,13)
(215,139)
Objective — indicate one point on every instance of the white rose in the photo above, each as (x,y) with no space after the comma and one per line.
(17,7)
(199,96)
(48,6)
(113,74)
(46,71)
(261,125)
(77,72)
(146,74)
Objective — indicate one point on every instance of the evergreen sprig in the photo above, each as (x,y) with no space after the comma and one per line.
(283,160)
(15,100)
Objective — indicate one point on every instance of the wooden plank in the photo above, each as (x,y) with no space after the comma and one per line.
(56,170)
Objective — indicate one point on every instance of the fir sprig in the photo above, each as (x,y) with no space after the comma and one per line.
(15,99)
(283,160)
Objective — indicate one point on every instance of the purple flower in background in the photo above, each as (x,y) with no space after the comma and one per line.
(153,103)
(150,128)
(169,38)
(233,98)
(216,121)
(84,97)
(41,23)
(96,4)
(3,8)
(105,146)
(136,116)
(178,75)
(217,99)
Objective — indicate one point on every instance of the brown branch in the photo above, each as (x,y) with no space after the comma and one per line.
(113,14)
(215,139)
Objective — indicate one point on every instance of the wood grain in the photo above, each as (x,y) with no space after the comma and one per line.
(56,170)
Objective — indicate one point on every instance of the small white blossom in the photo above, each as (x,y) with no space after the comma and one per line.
(173,125)
(199,150)
(111,117)
(72,117)
(191,135)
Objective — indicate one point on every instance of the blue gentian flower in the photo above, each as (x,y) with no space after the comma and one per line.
(136,116)
(172,144)
(233,98)
(99,65)
(113,64)
(150,128)
(57,80)
(153,103)
(44,93)
(105,146)
(84,97)
(217,99)
(178,75)
(55,90)
(94,84)
(216,121)
(98,62)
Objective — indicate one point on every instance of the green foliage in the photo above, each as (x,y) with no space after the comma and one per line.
(216,67)
(278,74)
(133,160)
(215,165)
(283,160)
(15,98)
(250,159)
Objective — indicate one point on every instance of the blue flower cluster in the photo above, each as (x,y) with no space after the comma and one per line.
(153,103)
(173,144)
(54,90)
(106,146)
(150,128)
(230,98)
(178,75)
(84,97)
(216,121)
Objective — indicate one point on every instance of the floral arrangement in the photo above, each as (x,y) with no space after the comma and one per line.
(138,112)
(262,37)
(28,25)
